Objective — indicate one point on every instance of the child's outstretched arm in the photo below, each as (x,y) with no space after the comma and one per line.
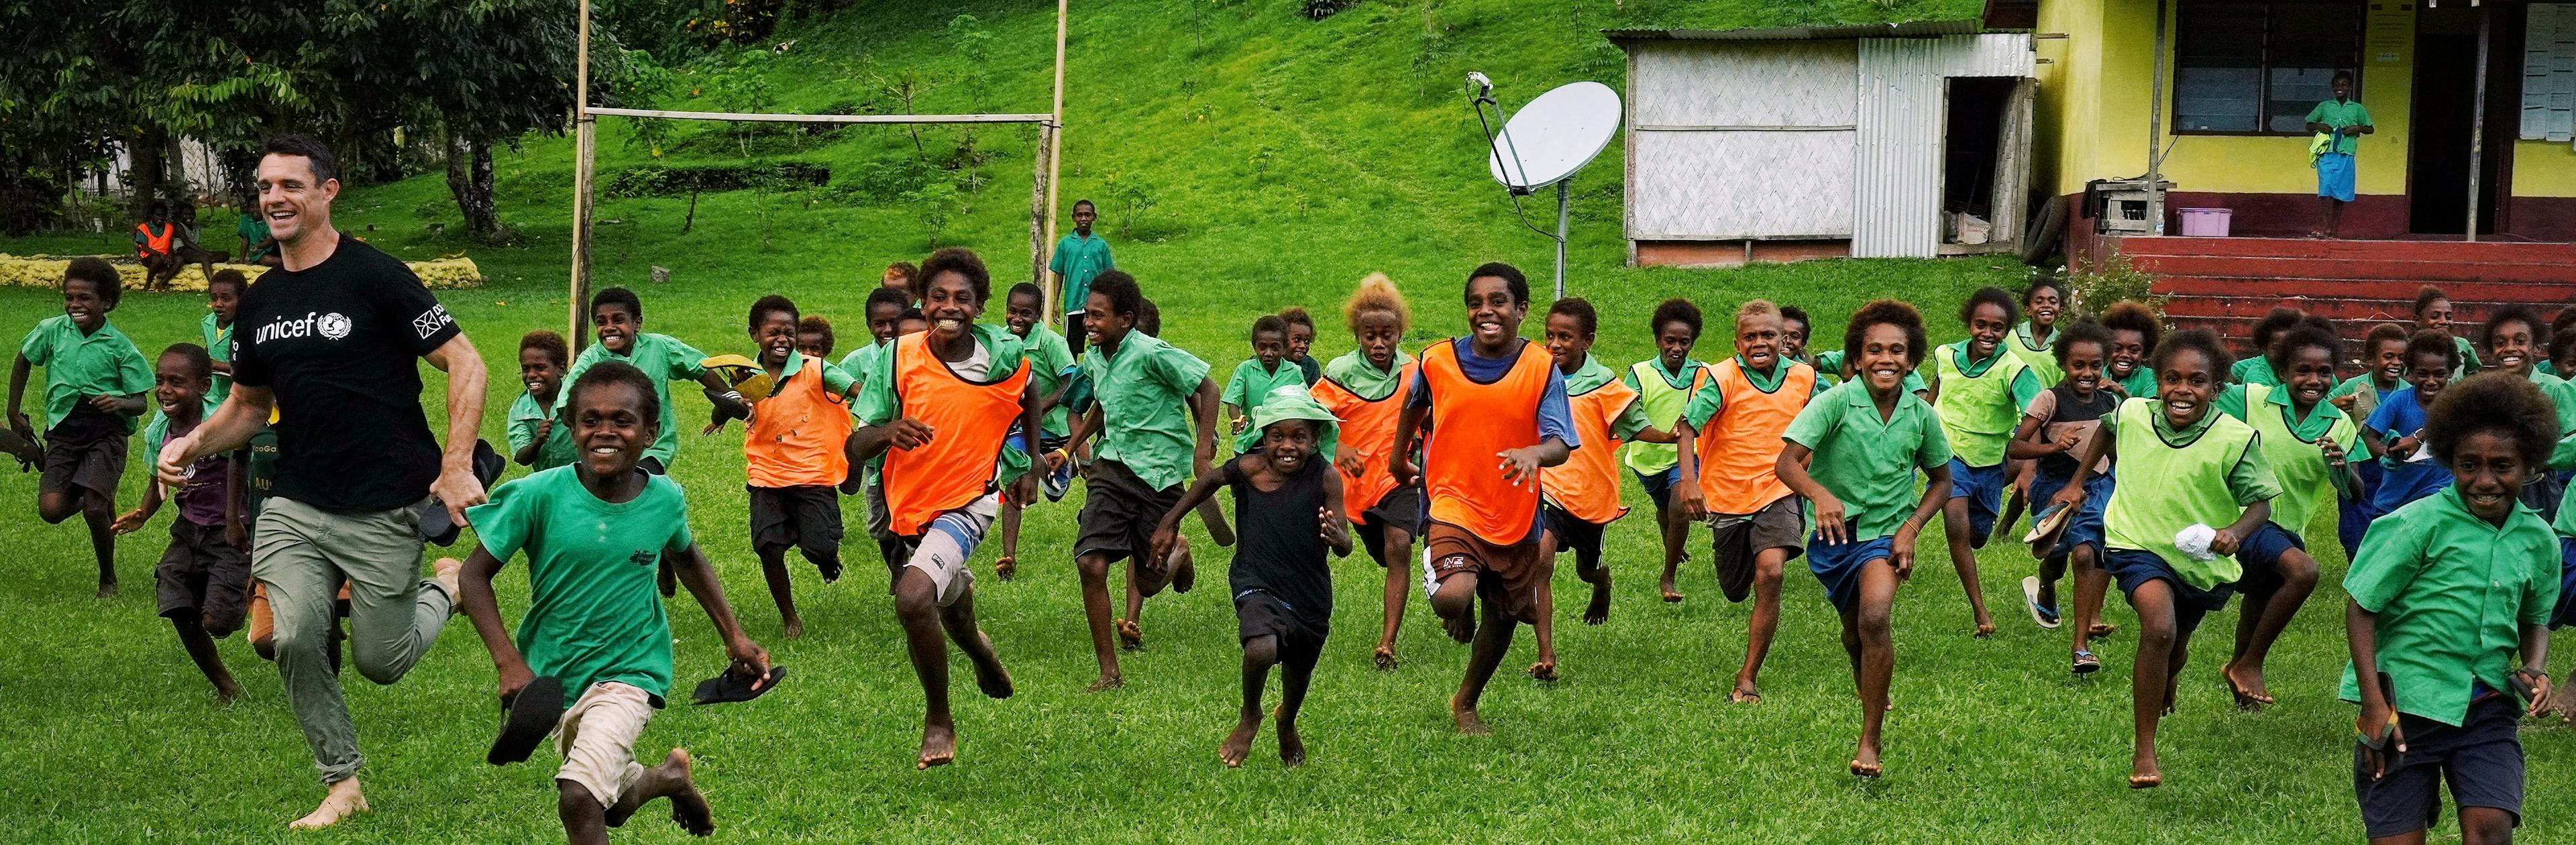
(749,659)
(1936,494)
(1167,532)
(475,581)
(1203,410)
(729,402)
(133,520)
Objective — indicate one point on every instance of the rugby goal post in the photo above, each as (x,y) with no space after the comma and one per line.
(1042,199)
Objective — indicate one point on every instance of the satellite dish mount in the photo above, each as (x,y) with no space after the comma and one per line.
(1544,145)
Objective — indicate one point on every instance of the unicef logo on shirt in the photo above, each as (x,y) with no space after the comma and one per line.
(334,326)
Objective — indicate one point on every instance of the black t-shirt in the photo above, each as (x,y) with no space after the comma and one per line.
(340,344)
(1279,546)
(2060,412)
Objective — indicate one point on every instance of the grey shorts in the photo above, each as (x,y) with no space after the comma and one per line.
(1741,537)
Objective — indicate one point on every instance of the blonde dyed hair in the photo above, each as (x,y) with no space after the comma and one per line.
(1378,293)
(1755,308)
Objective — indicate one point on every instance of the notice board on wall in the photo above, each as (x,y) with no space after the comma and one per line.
(2549,74)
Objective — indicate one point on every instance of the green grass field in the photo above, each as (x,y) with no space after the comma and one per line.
(1284,159)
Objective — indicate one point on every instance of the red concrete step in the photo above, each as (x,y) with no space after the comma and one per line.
(2560,253)
(2466,295)
(2410,272)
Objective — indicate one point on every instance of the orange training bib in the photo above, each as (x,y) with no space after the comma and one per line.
(1739,449)
(971,419)
(1471,422)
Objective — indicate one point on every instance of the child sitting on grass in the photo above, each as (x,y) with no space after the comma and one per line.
(2058,425)
(203,582)
(94,385)
(792,453)
(1266,370)
(2198,489)
(592,531)
(1287,512)
(1853,453)
(2451,597)
(2395,430)
(537,441)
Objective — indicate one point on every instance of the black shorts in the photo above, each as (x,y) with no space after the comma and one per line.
(808,518)
(1573,534)
(1075,330)
(2482,760)
(203,577)
(1400,509)
(1258,614)
(86,451)
(1740,538)
(1120,511)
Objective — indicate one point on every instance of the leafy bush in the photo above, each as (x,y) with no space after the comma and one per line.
(2117,279)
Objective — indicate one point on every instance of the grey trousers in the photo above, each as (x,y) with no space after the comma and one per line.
(304,554)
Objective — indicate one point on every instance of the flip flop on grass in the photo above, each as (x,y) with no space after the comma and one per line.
(2044,615)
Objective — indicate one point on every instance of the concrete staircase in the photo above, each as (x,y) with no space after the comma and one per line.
(2227,284)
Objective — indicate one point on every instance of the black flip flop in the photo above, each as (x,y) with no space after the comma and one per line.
(527,718)
(22,448)
(727,687)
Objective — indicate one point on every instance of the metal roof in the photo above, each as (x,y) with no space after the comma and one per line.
(1909,29)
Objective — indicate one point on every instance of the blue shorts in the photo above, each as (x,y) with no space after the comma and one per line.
(2260,555)
(1838,566)
(2355,516)
(2133,569)
(1659,486)
(2565,615)
(2335,176)
(2481,759)
(2085,529)
(1983,487)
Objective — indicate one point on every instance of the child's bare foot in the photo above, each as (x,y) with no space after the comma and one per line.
(1238,745)
(795,627)
(1130,635)
(343,801)
(227,692)
(1599,610)
(1386,656)
(2143,773)
(1292,748)
(1107,681)
(1865,763)
(1461,627)
(990,677)
(1544,669)
(1185,574)
(107,589)
(1670,594)
(689,809)
(1006,567)
(2102,629)
(1468,722)
(1744,693)
(2246,685)
(938,744)
(1985,626)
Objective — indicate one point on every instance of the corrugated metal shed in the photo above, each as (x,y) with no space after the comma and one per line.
(1903,120)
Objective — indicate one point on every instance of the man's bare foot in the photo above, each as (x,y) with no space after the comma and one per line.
(1599,610)
(1744,693)
(1292,748)
(1544,669)
(1238,745)
(1107,681)
(343,801)
(1865,763)
(689,809)
(990,677)
(795,627)
(938,744)
(1130,635)
(446,571)
(1006,567)
(1461,627)
(107,589)
(1386,656)
(2249,693)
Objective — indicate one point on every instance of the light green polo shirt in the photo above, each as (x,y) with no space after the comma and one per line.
(1866,460)
(1049,358)
(2206,474)
(102,362)
(2342,114)
(2452,593)
(219,347)
(1079,259)
(664,359)
(1249,386)
(526,417)
(2292,447)
(1144,389)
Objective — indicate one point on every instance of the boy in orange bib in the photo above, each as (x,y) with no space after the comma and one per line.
(1497,412)
(792,453)
(1581,496)
(1730,445)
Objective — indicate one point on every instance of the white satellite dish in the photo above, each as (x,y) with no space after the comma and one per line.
(1551,139)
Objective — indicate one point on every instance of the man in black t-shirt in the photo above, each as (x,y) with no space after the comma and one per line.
(330,339)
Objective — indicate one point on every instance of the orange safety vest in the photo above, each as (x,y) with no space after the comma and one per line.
(972,420)
(1368,432)
(796,434)
(1587,484)
(1471,422)
(153,244)
(1739,448)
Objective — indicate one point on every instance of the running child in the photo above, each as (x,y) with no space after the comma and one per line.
(2135,330)
(2257,370)
(94,385)
(1266,370)
(1497,413)
(814,337)
(592,531)
(2305,439)
(885,308)
(2561,327)
(1155,412)
(1980,388)
(224,291)
(2395,430)
(793,454)
(1581,496)
(2451,600)
(1050,364)
(2171,542)
(617,317)
(1730,441)
(1853,453)
(945,401)
(1287,513)
(537,440)
(1664,385)
(2514,343)
(1794,327)
(203,582)
(898,278)
(2384,356)
(2035,339)
(2433,313)
(2061,421)
(1364,389)
(1301,339)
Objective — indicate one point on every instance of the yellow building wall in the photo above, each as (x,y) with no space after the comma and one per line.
(2544,169)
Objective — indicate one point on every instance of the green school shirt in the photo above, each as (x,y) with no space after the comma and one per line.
(1079,259)
(2140,384)
(78,365)
(858,364)
(1663,394)
(2040,355)
(2342,115)
(593,612)
(662,358)
(2562,396)
(1354,373)
(1705,403)
(2452,593)
(1869,461)
(2205,474)
(2469,363)
(2255,371)
(253,229)
(1829,372)
(1049,357)
(1590,377)
(2366,395)
(2291,447)
(1144,390)
(2547,368)
(1249,386)
(219,347)
(526,416)
(1981,402)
